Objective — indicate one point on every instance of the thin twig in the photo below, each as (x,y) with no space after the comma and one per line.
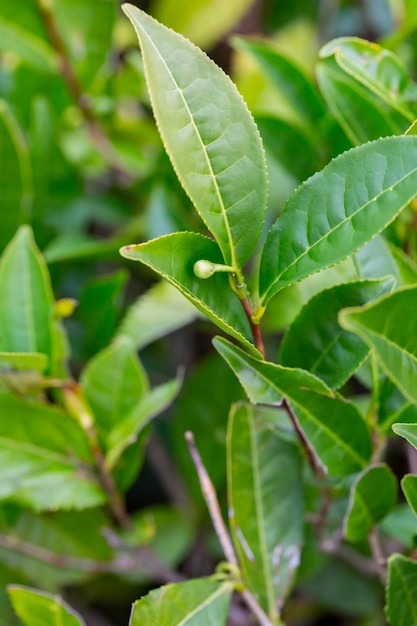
(212,502)
(378,554)
(316,466)
(255,328)
(361,563)
(137,559)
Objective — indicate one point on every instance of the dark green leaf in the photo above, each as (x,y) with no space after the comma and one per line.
(316,342)
(401,591)
(338,210)
(372,497)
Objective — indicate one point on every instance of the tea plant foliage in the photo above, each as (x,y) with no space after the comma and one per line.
(313,292)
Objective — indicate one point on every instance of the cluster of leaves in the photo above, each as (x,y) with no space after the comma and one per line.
(312,498)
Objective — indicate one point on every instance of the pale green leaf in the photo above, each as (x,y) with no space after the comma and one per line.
(316,342)
(156,313)
(333,426)
(338,210)
(409,487)
(373,495)
(26,299)
(192,603)
(204,22)
(389,326)
(401,591)
(408,431)
(173,257)
(265,505)
(209,135)
(114,382)
(38,608)
(126,431)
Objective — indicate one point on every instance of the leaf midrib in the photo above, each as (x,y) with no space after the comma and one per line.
(204,149)
(343,222)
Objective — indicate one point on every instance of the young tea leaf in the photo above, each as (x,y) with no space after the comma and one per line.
(401,591)
(208,134)
(174,256)
(338,210)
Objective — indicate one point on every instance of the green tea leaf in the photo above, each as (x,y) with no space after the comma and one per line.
(114,382)
(265,505)
(24,361)
(192,603)
(26,299)
(408,431)
(333,426)
(373,495)
(209,135)
(15,175)
(409,487)
(338,210)
(401,591)
(37,608)
(156,313)
(173,257)
(126,431)
(316,342)
(389,326)
(379,70)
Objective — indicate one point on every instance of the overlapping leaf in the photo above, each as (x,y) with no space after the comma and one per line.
(265,505)
(401,591)
(333,427)
(409,487)
(338,210)
(389,326)
(372,497)
(316,342)
(37,608)
(173,257)
(192,603)
(209,135)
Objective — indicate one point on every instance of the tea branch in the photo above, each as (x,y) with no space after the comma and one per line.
(210,497)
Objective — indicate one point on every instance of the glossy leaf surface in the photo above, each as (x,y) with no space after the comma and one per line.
(333,427)
(265,504)
(401,591)
(192,603)
(372,497)
(209,135)
(389,326)
(174,256)
(37,608)
(316,342)
(338,210)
